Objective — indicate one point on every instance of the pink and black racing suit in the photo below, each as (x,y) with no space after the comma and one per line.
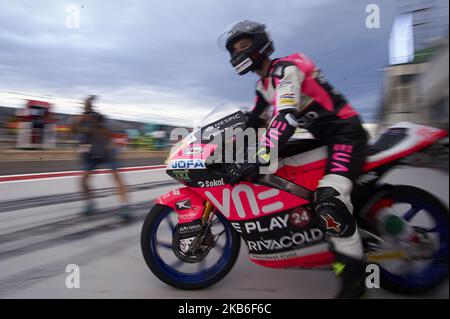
(301,97)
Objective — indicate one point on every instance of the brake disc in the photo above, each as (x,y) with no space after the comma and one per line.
(192,249)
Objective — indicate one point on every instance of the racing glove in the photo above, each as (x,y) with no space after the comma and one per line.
(239,172)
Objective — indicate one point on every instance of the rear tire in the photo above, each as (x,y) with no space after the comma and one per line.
(440,214)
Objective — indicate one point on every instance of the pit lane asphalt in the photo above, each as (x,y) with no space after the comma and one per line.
(41,232)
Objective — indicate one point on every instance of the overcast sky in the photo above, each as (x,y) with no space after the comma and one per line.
(161,58)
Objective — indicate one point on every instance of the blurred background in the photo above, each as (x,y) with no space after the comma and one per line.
(157,65)
(154,71)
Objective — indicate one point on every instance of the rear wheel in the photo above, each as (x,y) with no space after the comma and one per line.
(430,220)
(158,246)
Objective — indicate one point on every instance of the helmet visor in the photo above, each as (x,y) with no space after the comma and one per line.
(223,37)
(238,30)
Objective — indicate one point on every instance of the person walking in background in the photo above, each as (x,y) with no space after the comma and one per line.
(97,148)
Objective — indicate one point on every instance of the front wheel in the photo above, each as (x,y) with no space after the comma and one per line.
(430,220)
(158,249)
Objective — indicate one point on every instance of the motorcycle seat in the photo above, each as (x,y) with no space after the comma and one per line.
(297,146)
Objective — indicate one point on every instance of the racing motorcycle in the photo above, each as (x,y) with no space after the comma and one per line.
(191,238)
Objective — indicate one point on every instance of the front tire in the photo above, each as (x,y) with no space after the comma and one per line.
(171,274)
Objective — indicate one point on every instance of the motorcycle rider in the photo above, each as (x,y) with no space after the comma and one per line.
(302,98)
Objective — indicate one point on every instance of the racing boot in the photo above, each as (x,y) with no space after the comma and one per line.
(352,275)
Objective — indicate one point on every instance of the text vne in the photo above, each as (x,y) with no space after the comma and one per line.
(246,201)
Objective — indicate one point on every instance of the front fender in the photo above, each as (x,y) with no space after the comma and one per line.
(188,204)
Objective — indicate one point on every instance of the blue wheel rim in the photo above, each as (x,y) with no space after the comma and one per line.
(438,267)
(192,278)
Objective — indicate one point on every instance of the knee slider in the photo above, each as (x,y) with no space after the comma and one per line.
(334,216)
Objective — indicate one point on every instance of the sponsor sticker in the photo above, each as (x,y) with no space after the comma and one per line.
(331,223)
(243,65)
(190,229)
(286,242)
(277,222)
(287,94)
(182,175)
(300,217)
(185,204)
(193,150)
(185,244)
(212,183)
(287,101)
(186,216)
(187,164)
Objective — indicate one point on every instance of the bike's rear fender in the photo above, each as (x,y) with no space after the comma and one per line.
(188,204)
(365,210)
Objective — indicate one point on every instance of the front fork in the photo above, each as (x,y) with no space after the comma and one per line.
(207,211)
(206,220)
